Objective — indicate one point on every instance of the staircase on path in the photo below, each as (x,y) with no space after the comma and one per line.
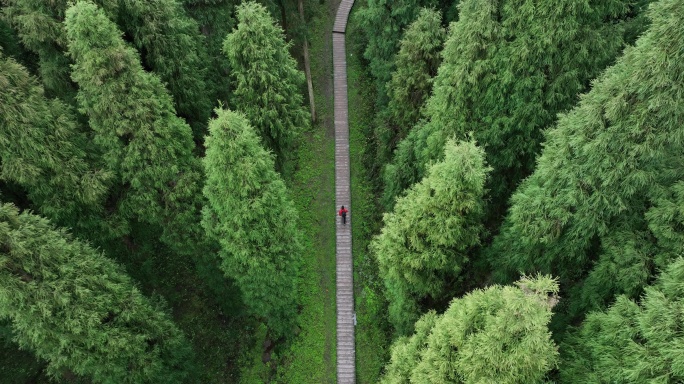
(346,356)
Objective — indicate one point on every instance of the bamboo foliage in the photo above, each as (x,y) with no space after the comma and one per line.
(602,208)
(501,82)
(42,149)
(631,342)
(411,83)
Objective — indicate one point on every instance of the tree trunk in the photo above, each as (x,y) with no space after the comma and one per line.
(307,66)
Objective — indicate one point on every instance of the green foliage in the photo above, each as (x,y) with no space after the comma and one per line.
(250,214)
(145,145)
(171,47)
(411,83)
(383,22)
(416,65)
(606,196)
(40,28)
(10,43)
(424,244)
(79,311)
(495,335)
(169,39)
(214,18)
(665,218)
(631,343)
(266,79)
(42,149)
(406,351)
(505,84)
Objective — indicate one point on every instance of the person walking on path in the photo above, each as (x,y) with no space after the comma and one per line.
(343,213)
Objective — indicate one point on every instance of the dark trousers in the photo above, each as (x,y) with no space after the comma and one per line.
(344,218)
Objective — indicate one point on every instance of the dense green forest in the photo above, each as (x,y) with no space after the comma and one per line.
(167,194)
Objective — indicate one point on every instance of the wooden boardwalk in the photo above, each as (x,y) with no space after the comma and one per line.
(346,356)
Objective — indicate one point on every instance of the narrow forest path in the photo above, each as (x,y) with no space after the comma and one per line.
(346,361)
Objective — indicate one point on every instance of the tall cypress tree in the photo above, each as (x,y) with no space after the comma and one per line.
(416,64)
(172,48)
(495,335)
(267,82)
(468,37)
(79,311)
(411,82)
(39,25)
(146,146)
(406,350)
(502,82)
(425,243)
(42,149)
(602,208)
(160,29)
(630,342)
(250,214)
(383,22)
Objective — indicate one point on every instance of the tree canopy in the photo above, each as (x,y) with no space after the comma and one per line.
(168,39)
(488,139)
(251,215)
(79,311)
(267,82)
(384,22)
(42,148)
(603,194)
(630,342)
(495,335)
(501,82)
(146,146)
(423,246)
(411,83)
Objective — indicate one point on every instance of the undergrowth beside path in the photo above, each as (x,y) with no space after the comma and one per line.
(311,357)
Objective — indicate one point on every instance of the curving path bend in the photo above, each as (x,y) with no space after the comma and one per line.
(346,356)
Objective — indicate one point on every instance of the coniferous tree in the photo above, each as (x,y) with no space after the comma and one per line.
(39,25)
(214,19)
(467,37)
(424,245)
(145,145)
(411,82)
(11,45)
(502,82)
(383,22)
(495,335)
(173,50)
(160,29)
(630,342)
(416,64)
(406,350)
(79,311)
(602,208)
(266,79)
(250,214)
(42,149)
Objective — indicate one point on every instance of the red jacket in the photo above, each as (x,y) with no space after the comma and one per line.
(342,212)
